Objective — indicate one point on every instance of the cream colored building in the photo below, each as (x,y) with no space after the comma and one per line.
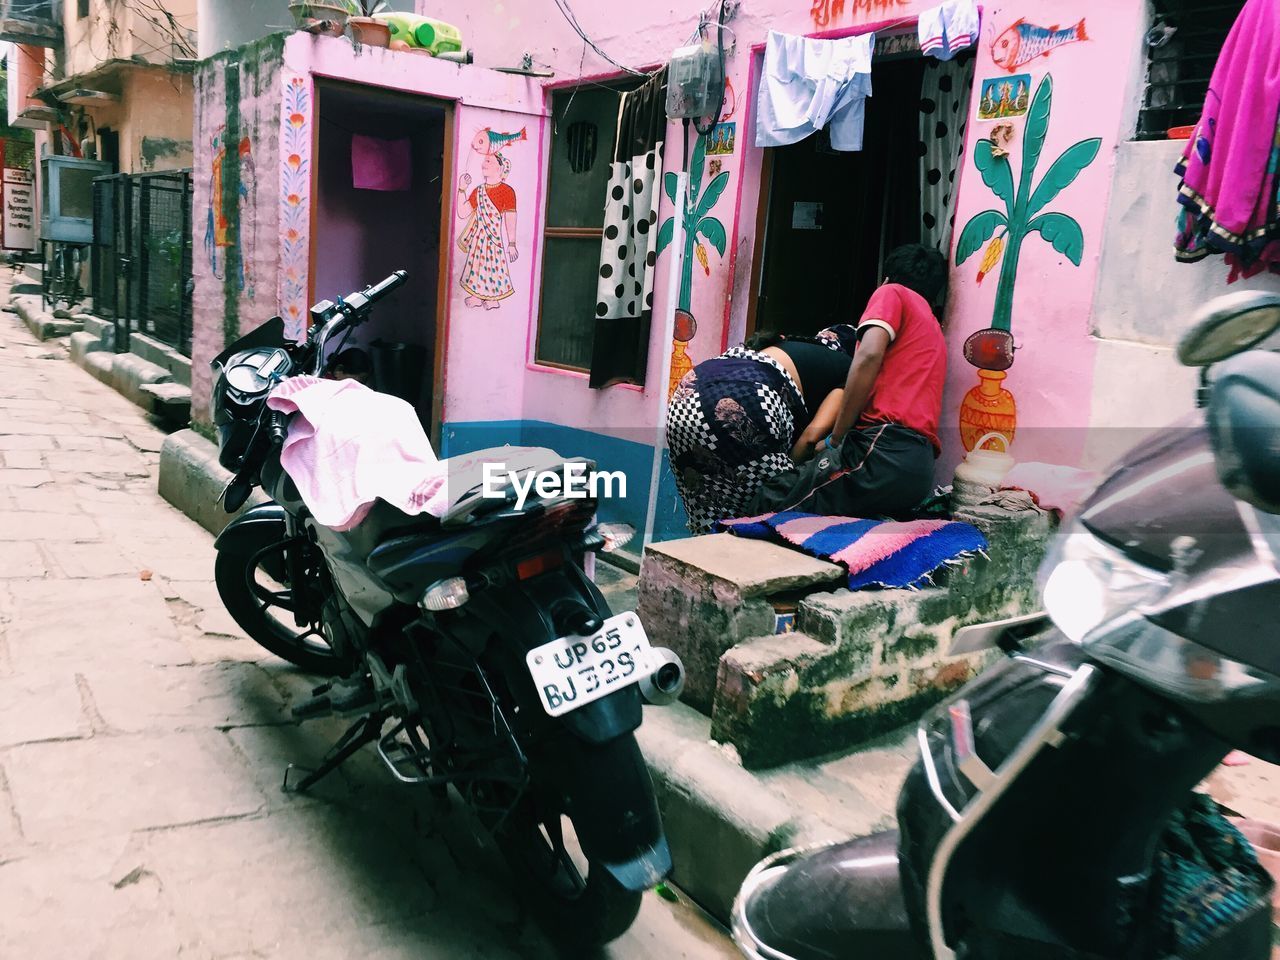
(118,87)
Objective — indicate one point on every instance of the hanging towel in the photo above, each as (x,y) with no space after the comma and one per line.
(1230,189)
(378,164)
(628,250)
(948,28)
(811,84)
(877,553)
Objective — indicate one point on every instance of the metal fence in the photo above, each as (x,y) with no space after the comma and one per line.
(141,262)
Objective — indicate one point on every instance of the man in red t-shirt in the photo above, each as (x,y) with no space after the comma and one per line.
(879,457)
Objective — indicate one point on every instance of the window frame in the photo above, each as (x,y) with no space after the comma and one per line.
(1178,12)
(621,83)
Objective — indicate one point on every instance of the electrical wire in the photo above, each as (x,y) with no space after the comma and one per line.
(567,12)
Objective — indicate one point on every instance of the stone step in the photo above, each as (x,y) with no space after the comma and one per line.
(170,401)
(703,595)
(82,343)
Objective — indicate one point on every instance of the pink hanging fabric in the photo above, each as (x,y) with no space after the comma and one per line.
(378,164)
(1230,168)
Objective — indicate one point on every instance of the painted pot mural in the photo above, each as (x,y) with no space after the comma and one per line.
(1002,232)
(681,363)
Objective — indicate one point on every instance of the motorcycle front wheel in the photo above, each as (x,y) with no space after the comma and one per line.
(250,575)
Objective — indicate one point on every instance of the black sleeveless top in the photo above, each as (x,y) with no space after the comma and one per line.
(821,370)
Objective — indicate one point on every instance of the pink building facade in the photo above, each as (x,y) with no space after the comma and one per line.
(276,227)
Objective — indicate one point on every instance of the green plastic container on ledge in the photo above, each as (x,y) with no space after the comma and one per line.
(423,32)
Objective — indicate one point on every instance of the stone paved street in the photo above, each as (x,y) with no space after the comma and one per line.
(143,739)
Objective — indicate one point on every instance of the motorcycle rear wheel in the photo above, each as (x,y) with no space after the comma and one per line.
(578,911)
(250,605)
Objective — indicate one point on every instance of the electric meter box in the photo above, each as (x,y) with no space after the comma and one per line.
(695,82)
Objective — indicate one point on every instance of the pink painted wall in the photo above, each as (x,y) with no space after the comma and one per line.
(489,371)
(250,109)
(1094,91)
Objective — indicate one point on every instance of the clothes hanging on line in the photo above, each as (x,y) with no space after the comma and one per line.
(809,85)
(1230,168)
(948,28)
(944,112)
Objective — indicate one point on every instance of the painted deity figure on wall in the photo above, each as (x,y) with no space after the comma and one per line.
(217,228)
(490,210)
(217,238)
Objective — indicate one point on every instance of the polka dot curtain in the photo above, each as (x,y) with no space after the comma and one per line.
(624,290)
(944,109)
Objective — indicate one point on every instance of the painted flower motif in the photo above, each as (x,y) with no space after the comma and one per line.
(293,199)
(291,235)
(297,119)
(294,161)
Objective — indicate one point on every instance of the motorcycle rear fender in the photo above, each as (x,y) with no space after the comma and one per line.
(247,529)
(615,813)
(521,616)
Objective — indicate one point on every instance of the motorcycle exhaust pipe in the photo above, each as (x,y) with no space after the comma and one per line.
(665,682)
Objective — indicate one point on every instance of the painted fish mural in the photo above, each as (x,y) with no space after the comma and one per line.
(1022,42)
(488,141)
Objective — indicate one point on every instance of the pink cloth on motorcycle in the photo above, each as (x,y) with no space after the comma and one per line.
(349,446)
(1054,487)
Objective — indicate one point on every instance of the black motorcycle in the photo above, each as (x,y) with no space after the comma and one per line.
(473,649)
(1052,814)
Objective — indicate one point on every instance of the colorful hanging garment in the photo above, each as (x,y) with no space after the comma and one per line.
(628,250)
(877,553)
(1230,169)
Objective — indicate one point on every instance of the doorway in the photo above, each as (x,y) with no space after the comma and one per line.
(828,219)
(381,159)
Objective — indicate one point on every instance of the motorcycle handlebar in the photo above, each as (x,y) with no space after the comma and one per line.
(379,290)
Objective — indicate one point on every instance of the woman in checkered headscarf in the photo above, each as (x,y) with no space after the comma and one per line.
(740,418)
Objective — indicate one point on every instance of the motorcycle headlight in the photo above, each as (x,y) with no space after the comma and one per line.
(1087,583)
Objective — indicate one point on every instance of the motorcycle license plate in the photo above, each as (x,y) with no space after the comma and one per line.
(574,671)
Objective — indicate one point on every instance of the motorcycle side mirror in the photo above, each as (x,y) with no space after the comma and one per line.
(1229,325)
(1244,425)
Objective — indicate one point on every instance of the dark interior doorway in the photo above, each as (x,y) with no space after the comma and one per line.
(360,235)
(829,218)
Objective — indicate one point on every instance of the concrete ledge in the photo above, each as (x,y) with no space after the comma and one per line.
(82,343)
(42,325)
(99,364)
(703,595)
(721,820)
(130,373)
(192,480)
(162,355)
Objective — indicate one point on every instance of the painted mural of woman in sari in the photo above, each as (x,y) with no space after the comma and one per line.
(491,209)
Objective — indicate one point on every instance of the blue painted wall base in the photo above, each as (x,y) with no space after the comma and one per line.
(635,460)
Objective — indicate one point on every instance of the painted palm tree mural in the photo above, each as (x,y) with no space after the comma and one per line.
(699,226)
(989,407)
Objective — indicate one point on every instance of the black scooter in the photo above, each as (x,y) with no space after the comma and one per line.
(473,650)
(1042,817)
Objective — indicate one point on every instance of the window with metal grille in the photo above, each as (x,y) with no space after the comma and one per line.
(1183,44)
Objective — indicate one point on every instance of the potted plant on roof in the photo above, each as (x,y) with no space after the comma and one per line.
(364,28)
(321,16)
